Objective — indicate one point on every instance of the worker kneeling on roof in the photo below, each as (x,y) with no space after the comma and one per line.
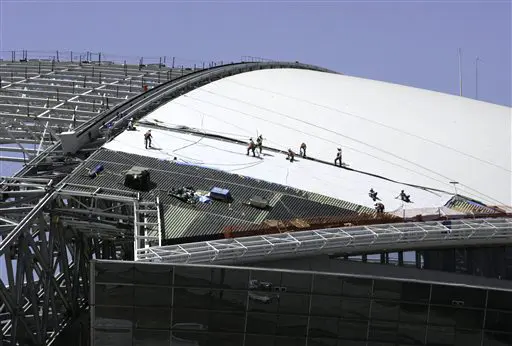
(291,155)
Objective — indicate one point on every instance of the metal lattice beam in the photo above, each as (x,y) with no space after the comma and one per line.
(349,240)
(40,99)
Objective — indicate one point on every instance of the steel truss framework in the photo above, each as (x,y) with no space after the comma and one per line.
(50,229)
(40,98)
(349,240)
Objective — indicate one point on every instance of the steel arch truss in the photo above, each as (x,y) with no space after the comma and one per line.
(349,240)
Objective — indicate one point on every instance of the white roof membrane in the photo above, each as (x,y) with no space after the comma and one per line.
(302,174)
(406,134)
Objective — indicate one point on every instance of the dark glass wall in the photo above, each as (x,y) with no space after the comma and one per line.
(491,262)
(147,304)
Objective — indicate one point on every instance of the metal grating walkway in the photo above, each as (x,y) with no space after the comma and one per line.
(349,240)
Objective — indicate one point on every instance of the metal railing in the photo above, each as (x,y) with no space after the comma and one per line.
(10,56)
(348,240)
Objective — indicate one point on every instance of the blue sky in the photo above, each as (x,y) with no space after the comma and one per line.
(410,42)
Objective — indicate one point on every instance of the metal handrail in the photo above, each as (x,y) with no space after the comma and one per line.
(347,240)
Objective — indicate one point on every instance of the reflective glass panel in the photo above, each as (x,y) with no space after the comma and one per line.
(385,310)
(323,327)
(411,334)
(356,309)
(458,296)
(152,296)
(107,272)
(327,284)
(383,331)
(117,337)
(456,317)
(437,335)
(110,294)
(151,337)
(227,300)
(225,339)
(261,323)
(498,321)
(189,337)
(267,281)
(113,317)
(289,341)
(199,298)
(259,340)
(296,283)
(413,313)
(352,330)
(293,304)
(226,322)
(261,301)
(147,274)
(353,287)
(326,305)
(468,337)
(190,319)
(387,289)
(236,279)
(314,341)
(291,325)
(415,293)
(500,300)
(152,318)
(497,339)
(186,276)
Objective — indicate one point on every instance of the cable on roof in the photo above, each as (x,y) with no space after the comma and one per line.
(352,115)
(357,150)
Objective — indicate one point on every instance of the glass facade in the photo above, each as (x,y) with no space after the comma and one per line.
(151,304)
(492,262)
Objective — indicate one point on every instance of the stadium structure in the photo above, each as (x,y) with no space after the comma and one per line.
(193,236)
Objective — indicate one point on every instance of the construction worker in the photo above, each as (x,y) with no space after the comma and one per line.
(147,139)
(303,149)
(130,125)
(259,142)
(338,157)
(373,195)
(404,197)
(379,207)
(251,147)
(291,155)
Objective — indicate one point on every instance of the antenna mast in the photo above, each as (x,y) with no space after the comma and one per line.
(460,73)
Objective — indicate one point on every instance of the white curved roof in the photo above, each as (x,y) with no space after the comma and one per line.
(410,135)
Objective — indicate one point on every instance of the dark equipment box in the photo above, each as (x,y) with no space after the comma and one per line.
(137,178)
(259,202)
